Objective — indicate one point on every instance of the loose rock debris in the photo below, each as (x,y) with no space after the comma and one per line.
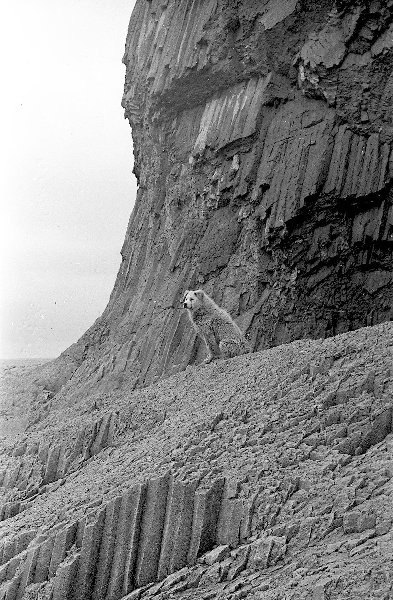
(269,477)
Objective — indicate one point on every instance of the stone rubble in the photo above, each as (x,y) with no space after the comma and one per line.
(285,486)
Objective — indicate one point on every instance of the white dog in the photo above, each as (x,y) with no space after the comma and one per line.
(222,336)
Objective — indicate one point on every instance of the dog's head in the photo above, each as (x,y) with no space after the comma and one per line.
(192,299)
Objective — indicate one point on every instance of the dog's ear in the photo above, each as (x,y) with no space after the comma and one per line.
(200,294)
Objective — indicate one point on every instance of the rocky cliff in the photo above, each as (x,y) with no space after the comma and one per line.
(263,152)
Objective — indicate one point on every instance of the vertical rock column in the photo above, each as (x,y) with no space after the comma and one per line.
(177,528)
(28,571)
(126,544)
(205,518)
(101,436)
(152,527)
(44,560)
(88,558)
(232,514)
(133,542)
(13,587)
(63,542)
(63,588)
(52,464)
(105,556)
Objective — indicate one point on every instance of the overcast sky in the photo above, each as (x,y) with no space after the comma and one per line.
(67,183)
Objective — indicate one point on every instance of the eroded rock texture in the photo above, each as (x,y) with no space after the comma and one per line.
(263,151)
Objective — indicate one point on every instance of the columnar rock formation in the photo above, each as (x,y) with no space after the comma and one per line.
(34,466)
(263,136)
(263,153)
(151,531)
(271,472)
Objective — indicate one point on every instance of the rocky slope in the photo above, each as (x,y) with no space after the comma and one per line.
(265,476)
(263,152)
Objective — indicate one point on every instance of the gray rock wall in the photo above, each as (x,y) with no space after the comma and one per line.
(263,153)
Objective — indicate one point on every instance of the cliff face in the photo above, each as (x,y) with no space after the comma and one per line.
(263,151)
(263,135)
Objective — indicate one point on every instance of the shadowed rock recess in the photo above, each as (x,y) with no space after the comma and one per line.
(263,152)
(263,139)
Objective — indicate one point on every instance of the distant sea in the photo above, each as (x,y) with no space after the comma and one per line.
(10,363)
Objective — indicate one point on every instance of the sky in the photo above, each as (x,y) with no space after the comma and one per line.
(67,186)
